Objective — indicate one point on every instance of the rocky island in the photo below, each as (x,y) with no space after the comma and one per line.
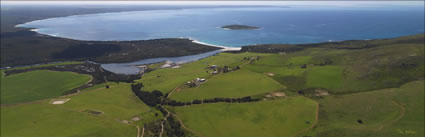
(239,27)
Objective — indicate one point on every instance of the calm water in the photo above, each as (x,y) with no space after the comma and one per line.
(280,24)
(131,68)
(307,24)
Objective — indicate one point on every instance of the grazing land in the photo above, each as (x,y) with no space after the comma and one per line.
(284,117)
(387,112)
(165,80)
(342,71)
(124,105)
(116,104)
(350,88)
(376,98)
(36,85)
(353,88)
(230,85)
(43,119)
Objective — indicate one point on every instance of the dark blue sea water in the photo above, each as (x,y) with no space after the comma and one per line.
(307,24)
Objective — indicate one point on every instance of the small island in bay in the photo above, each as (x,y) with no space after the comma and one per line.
(239,27)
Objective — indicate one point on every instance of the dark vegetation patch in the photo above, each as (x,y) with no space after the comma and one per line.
(152,129)
(149,98)
(33,48)
(156,98)
(173,128)
(214,100)
(315,93)
(348,44)
(272,48)
(94,112)
(87,50)
(19,33)
(362,44)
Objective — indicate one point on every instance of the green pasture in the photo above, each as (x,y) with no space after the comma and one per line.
(235,84)
(41,119)
(39,84)
(46,120)
(344,71)
(275,118)
(117,102)
(392,112)
(165,80)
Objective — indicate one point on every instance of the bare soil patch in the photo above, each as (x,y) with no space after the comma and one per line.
(321,92)
(135,118)
(270,74)
(275,94)
(59,101)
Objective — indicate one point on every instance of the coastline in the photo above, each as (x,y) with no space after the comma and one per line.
(224,48)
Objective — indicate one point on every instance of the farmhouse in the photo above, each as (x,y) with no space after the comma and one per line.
(195,82)
(213,67)
(200,79)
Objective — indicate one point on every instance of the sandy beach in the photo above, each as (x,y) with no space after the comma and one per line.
(224,47)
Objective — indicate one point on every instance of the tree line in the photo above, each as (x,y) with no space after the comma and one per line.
(156,97)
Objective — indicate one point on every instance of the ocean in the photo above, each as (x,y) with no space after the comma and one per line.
(288,25)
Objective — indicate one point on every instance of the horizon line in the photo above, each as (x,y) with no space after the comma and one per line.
(280,3)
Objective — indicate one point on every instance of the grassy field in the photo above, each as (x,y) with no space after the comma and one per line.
(375,91)
(331,76)
(42,120)
(390,112)
(344,71)
(235,84)
(165,80)
(71,119)
(283,117)
(117,102)
(40,84)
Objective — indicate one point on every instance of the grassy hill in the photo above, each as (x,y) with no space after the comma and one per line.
(359,88)
(43,119)
(40,84)
(370,88)
(387,112)
(231,85)
(344,71)
(284,117)
(116,103)
(165,80)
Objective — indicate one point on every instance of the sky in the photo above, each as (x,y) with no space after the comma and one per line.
(335,3)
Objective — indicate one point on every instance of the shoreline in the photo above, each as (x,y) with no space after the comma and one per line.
(224,48)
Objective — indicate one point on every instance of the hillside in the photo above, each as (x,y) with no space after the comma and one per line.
(25,47)
(349,88)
